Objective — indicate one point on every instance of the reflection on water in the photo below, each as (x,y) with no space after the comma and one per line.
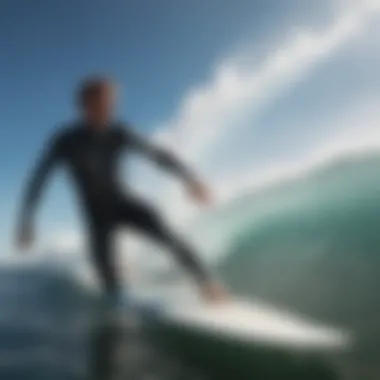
(105,343)
(117,351)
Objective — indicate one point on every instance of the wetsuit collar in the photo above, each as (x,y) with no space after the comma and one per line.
(88,128)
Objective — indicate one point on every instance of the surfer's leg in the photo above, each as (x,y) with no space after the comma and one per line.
(145,219)
(102,255)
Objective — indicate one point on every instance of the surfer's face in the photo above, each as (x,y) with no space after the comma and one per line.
(99,108)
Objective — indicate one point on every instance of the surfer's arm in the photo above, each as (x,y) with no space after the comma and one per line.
(37,180)
(170,162)
(158,155)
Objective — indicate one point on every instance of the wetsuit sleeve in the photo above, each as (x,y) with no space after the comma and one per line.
(49,158)
(160,156)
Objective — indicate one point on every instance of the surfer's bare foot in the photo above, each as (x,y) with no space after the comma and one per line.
(199,192)
(214,292)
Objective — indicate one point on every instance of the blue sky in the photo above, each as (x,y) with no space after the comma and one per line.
(245,90)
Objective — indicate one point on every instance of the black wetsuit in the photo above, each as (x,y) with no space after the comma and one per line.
(93,159)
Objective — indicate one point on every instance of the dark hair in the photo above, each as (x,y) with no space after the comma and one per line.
(90,87)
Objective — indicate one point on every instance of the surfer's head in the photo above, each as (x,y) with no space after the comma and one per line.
(96,97)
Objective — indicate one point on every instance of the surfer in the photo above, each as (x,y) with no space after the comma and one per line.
(90,148)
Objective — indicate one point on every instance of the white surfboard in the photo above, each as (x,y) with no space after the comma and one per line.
(257,323)
(250,322)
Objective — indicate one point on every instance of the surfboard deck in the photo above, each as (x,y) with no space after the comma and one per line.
(248,322)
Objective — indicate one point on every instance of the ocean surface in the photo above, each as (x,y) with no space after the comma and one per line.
(310,244)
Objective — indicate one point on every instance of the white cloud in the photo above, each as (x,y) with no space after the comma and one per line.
(208,112)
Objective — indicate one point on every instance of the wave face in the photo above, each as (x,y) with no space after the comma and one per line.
(313,244)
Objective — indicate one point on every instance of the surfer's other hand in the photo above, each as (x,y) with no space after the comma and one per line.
(214,292)
(25,236)
(199,192)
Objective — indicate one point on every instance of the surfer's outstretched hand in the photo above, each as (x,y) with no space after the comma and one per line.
(214,292)
(199,192)
(25,236)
